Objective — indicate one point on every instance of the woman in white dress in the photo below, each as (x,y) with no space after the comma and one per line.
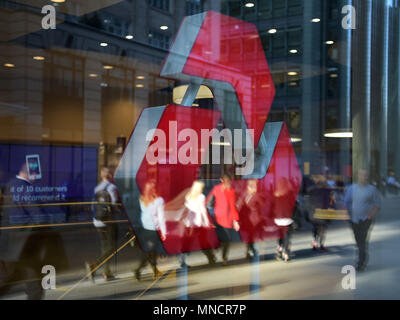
(195,216)
(153,221)
(195,203)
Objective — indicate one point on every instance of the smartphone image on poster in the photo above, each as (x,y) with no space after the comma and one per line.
(33,166)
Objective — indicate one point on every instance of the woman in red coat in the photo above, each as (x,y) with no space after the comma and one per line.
(226,215)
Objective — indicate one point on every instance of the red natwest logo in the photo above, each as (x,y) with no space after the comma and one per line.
(169,145)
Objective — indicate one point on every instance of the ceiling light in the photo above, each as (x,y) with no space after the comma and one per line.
(339,133)
(164,27)
(38,58)
(294,139)
(272,31)
(139,86)
(315,20)
(334,75)
(129,37)
(103,44)
(108,67)
(58,1)
(330,42)
(140,77)
(92,75)
(293,51)
(292,73)
(9,65)
(249,4)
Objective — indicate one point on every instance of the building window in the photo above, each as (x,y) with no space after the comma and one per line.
(64,75)
(283,43)
(293,82)
(333,84)
(278,9)
(294,39)
(250,13)
(193,7)
(159,40)
(278,45)
(266,43)
(107,22)
(160,4)
(294,8)
(333,10)
(279,82)
(287,81)
(235,8)
(265,9)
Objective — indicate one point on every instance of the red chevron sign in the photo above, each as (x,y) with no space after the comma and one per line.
(226,55)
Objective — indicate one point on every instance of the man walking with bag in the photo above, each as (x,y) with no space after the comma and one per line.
(106,197)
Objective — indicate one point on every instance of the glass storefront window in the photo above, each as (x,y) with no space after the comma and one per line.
(190,148)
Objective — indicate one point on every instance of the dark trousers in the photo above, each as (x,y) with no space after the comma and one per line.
(150,257)
(285,235)
(108,240)
(27,268)
(361,230)
(225,235)
(319,232)
(151,248)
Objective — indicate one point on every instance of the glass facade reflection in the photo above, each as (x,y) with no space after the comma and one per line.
(316,82)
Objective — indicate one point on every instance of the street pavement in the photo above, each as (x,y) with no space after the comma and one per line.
(309,275)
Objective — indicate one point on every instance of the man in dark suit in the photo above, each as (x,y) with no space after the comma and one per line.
(19,250)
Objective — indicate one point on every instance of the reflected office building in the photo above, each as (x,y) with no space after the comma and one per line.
(83,82)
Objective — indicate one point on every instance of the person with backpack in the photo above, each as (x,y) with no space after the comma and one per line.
(106,198)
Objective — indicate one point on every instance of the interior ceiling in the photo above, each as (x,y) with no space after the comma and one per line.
(73,7)
(70,7)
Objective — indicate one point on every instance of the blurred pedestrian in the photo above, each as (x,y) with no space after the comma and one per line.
(153,220)
(197,217)
(105,209)
(319,198)
(250,204)
(226,215)
(22,248)
(363,202)
(392,184)
(283,207)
